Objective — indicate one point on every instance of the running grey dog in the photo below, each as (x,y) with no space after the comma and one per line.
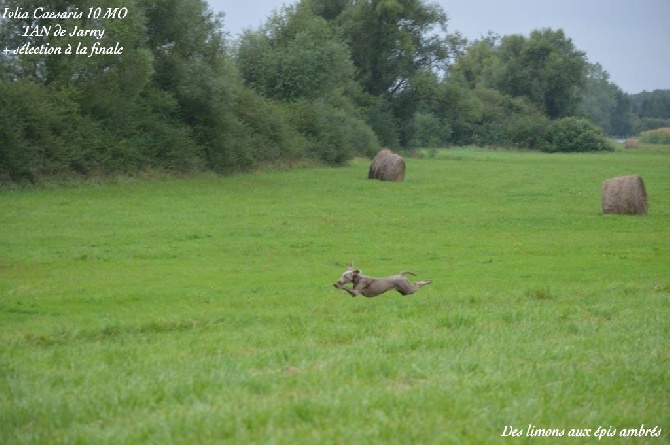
(371,287)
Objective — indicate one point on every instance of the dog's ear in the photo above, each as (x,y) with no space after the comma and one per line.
(356,272)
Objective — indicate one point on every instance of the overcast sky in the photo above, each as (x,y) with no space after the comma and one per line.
(630,38)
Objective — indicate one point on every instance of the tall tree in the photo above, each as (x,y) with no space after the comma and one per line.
(622,117)
(475,64)
(606,104)
(598,100)
(125,73)
(192,65)
(546,68)
(390,40)
(297,60)
(295,55)
(391,43)
(655,104)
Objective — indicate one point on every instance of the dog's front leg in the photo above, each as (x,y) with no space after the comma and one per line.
(353,292)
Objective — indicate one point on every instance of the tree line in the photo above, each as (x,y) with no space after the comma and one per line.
(321,80)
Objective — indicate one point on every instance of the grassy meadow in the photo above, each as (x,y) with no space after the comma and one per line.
(201,310)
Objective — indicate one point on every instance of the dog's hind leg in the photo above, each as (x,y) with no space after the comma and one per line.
(409,290)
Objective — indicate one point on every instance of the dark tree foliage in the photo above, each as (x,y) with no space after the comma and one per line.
(297,60)
(546,68)
(391,43)
(100,114)
(322,79)
(605,104)
(655,104)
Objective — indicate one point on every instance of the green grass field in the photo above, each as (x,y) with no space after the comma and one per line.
(201,310)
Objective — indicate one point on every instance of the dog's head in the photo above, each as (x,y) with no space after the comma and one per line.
(348,276)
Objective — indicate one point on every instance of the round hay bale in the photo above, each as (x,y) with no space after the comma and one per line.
(624,195)
(394,169)
(387,166)
(631,143)
(377,163)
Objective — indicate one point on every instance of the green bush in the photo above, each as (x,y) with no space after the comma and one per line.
(269,130)
(572,134)
(429,131)
(658,136)
(43,134)
(509,121)
(334,135)
(384,123)
(649,123)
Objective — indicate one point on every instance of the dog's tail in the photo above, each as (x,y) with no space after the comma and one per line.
(407,272)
